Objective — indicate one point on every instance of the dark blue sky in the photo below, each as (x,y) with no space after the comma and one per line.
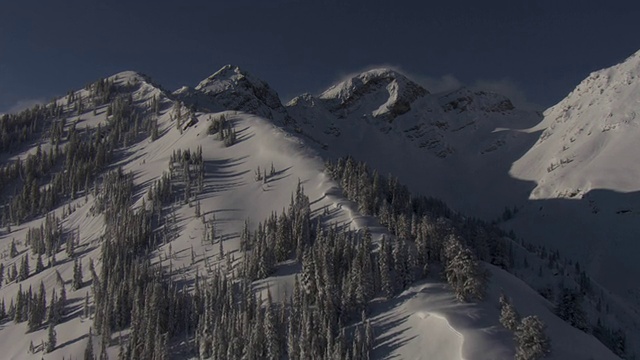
(534,49)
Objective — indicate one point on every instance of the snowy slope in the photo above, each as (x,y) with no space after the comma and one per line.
(231,195)
(584,171)
(456,118)
(436,143)
(474,150)
(589,139)
(426,322)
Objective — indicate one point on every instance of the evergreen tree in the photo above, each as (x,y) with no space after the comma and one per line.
(197,210)
(509,317)
(39,264)
(463,272)
(52,311)
(384,265)
(85,308)
(62,302)
(24,268)
(13,251)
(3,310)
(19,307)
(77,274)
(51,338)
(569,308)
(88,350)
(531,341)
(272,330)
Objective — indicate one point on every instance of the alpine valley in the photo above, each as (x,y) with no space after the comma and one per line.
(374,220)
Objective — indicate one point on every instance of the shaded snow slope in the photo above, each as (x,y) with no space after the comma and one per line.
(426,322)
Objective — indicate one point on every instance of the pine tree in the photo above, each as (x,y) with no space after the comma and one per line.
(271,328)
(20,304)
(85,308)
(62,301)
(197,210)
(569,309)
(3,310)
(51,338)
(69,246)
(154,130)
(39,264)
(77,274)
(24,268)
(52,311)
(13,251)
(463,272)
(384,265)
(220,249)
(401,263)
(531,341)
(509,317)
(88,351)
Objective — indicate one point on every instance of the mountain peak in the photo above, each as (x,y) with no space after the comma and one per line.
(359,84)
(235,89)
(382,92)
(130,76)
(228,76)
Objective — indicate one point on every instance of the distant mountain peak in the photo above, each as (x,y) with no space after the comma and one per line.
(227,77)
(236,89)
(382,92)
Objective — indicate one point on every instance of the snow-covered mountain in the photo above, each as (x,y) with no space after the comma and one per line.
(436,144)
(232,88)
(585,179)
(589,140)
(248,158)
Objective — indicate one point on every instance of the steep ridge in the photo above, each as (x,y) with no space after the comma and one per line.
(381,93)
(232,88)
(589,139)
(585,195)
